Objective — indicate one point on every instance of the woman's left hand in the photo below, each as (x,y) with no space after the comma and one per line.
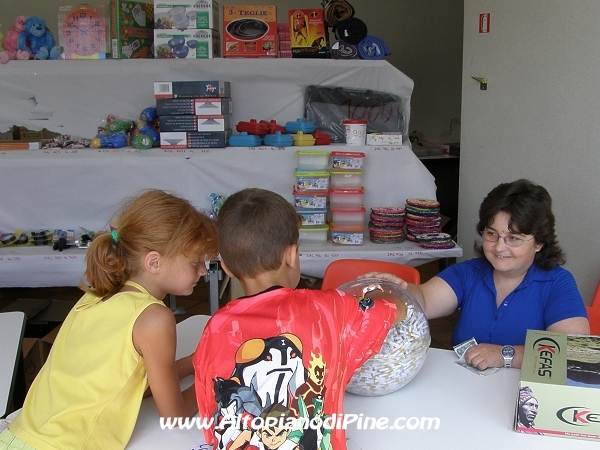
(483,356)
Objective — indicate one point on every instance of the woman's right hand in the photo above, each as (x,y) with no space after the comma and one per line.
(385,276)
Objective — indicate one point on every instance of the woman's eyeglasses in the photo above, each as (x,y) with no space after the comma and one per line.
(509,239)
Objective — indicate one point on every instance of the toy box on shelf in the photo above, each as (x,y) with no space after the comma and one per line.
(187,44)
(307,34)
(249,30)
(181,15)
(131,25)
(559,388)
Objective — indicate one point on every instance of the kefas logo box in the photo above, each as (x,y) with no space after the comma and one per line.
(559,388)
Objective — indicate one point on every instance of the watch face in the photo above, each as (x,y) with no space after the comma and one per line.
(83,32)
(508,351)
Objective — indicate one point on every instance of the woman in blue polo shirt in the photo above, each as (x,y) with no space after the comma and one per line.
(516,283)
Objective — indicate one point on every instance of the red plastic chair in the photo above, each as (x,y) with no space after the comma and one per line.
(343,270)
(594,313)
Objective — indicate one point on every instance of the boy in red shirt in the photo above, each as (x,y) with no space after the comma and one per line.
(280,348)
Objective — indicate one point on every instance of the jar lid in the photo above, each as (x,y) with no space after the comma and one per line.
(333,228)
(311,173)
(347,191)
(309,193)
(362,209)
(346,171)
(324,227)
(312,152)
(349,154)
(354,122)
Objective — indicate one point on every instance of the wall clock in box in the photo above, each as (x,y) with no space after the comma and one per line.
(83,31)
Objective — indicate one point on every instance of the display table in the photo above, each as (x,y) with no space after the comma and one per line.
(68,189)
(472,411)
(43,267)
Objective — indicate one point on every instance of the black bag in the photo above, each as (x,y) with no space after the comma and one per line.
(327,107)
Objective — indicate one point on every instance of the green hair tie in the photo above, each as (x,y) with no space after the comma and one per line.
(115,236)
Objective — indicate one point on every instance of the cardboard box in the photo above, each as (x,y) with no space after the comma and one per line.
(21,138)
(200,14)
(195,123)
(131,25)
(308,34)
(559,387)
(192,89)
(193,106)
(31,360)
(35,353)
(194,139)
(249,31)
(187,44)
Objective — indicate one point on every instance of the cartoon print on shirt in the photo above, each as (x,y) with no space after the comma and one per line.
(313,387)
(269,378)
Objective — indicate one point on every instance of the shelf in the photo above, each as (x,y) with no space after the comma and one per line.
(71,97)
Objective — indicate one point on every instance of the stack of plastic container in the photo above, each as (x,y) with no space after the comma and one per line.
(346,198)
(310,195)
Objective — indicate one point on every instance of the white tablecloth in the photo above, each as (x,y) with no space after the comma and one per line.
(42,266)
(71,188)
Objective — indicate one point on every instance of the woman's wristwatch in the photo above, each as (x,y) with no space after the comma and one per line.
(508,353)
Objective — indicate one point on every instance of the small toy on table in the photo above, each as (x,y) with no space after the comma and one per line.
(113,132)
(37,39)
(11,51)
(116,125)
(110,140)
(145,135)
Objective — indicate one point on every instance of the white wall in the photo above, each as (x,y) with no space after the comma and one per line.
(539,118)
(425,38)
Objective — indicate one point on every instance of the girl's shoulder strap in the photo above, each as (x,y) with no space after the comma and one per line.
(137,286)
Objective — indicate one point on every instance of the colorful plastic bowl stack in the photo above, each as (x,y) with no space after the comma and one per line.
(346,198)
(310,195)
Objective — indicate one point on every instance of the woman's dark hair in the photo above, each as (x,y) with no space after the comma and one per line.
(530,208)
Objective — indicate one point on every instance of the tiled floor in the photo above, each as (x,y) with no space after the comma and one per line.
(197,303)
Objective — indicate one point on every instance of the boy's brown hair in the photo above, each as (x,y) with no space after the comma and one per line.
(255,226)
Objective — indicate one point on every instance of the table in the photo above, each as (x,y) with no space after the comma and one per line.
(68,189)
(42,266)
(473,411)
(12,325)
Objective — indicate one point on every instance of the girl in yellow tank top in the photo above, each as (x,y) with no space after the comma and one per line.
(120,339)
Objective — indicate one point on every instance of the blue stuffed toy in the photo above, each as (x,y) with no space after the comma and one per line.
(38,40)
